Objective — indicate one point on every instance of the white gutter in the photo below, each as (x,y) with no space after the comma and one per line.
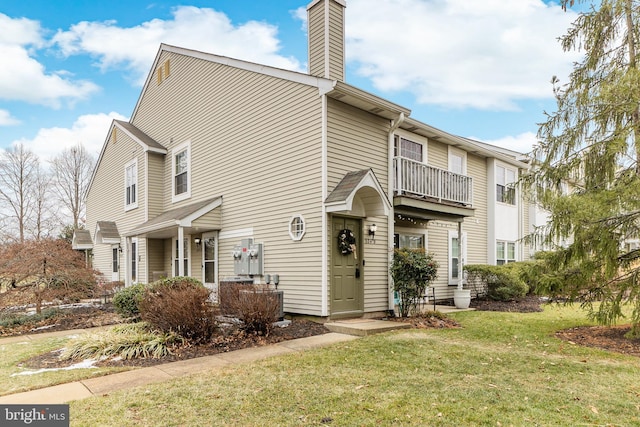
(391,217)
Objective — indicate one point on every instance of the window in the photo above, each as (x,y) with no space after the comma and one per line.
(181,165)
(185,260)
(407,149)
(505,252)
(130,184)
(457,254)
(134,260)
(296,227)
(505,190)
(457,161)
(114,259)
(408,241)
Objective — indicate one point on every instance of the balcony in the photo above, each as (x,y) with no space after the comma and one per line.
(439,190)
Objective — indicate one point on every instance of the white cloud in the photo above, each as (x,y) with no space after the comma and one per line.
(7,120)
(202,29)
(90,130)
(522,143)
(23,78)
(301,15)
(460,53)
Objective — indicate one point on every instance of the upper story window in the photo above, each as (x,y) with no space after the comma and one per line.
(457,161)
(407,149)
(505,188)
(131,185)
(181,167)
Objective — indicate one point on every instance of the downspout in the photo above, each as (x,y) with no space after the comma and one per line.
(324,245)
(391,218)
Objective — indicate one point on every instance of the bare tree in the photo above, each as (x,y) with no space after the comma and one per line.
(44,217)
(72,170)
(19,169)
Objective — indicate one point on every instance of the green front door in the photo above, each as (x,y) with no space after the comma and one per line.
(347,291)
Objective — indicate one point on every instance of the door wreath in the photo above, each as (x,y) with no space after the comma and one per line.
(347,243)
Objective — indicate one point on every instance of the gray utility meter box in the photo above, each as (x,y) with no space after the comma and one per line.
(247,258)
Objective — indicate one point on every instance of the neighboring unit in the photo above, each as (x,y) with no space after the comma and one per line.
(229,169)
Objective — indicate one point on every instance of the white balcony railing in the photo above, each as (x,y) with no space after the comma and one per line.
(418,179)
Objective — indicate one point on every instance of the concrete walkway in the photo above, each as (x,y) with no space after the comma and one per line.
(63,393)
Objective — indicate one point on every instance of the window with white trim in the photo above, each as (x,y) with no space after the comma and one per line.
(181,167)
(131,185)
(133,261)
(457,161)
(407,149)
(297,227)
(505,185)
(176,257)
(408,241)
(455,255)
(505,252)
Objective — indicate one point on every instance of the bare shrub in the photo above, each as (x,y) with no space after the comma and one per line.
(182,307)
(256,305)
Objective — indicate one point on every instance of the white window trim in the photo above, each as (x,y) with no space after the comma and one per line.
(178,149)
(460,153)
(418,139)
(187,255)
(454,234)
(506,251)
(506,185)
(304,227)
(134,163)
(413,232)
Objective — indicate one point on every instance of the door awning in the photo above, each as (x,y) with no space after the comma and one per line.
(197,217)
(107,233)
(81,240)
(363,188)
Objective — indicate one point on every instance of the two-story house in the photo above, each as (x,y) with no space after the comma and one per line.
(229,168)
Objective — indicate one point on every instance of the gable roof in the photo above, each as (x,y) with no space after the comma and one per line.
(178,217)
(341,198)
(81,240)
(107,232)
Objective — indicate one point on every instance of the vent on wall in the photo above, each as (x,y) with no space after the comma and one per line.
(114,135)
(163,71)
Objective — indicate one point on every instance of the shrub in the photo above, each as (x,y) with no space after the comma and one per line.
(412,270)
(126,341)
(256,305)
(16,319)
(126,301)
(500,282)
(180,305)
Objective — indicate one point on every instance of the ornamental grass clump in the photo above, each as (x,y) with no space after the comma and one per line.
(411,270)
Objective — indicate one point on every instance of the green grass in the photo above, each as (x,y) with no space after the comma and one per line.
(500,369)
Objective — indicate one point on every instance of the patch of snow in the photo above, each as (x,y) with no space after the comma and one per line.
(85,364)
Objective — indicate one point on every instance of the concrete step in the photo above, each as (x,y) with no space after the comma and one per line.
(364,327)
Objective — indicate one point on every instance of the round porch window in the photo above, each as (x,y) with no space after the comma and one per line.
(296,227)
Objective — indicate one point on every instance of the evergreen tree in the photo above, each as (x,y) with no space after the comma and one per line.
(587,162)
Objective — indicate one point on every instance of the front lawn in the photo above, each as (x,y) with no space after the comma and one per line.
(499,369)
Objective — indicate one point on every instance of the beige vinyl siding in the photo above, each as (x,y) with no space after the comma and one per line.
(316,40)
(256,141)
(155,263)
(156,184)
(336,41)
(359,140)
(105,201)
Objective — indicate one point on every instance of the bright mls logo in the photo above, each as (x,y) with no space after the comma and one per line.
(34,415)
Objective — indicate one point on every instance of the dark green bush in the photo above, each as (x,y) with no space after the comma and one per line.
(180,305)
(17,319)
(412,270)
(126,301)
(500,282)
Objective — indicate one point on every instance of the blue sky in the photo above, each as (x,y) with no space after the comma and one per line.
(478,69)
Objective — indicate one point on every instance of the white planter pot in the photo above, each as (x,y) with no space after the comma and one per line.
(462,298)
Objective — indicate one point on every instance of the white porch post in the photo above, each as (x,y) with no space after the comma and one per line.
(461,259)
(180,251)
